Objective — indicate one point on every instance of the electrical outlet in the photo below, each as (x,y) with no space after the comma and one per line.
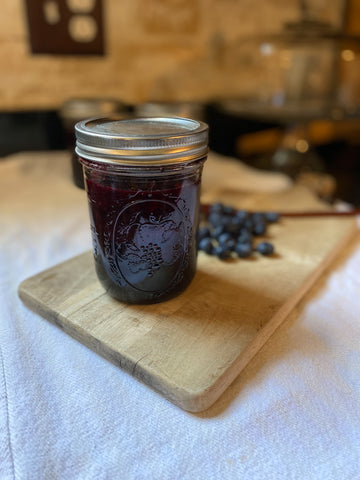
(66,26)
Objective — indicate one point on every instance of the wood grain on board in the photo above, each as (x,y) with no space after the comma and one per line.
(191,348)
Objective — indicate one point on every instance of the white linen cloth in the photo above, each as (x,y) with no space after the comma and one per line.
(66,413)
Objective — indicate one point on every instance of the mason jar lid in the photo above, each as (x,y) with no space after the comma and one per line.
(141,141)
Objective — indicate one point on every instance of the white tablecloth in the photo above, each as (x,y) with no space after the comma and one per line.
(66,413)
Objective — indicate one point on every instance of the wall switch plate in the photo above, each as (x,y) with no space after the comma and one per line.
(66,26)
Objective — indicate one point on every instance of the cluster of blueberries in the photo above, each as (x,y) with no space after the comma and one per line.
(230,232)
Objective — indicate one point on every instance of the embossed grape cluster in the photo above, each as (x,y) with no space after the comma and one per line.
(152,257)
(228,232)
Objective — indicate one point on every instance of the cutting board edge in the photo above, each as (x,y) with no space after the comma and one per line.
(203,400)
(183,398)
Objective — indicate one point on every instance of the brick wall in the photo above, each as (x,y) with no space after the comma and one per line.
(155,50)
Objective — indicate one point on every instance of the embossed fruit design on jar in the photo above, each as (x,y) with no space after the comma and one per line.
(143,179)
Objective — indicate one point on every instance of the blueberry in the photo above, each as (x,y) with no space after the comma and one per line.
(265,248)
(271,217)
(224,238)
(231,244)
(258,216)
(245,236)
(219,230)
(206,245)
(216,208)
(203,232)
(233,226)
(242,215)
(249,223)
(228,210)
(216,219)
(259,227)
(243,250)
(222,252)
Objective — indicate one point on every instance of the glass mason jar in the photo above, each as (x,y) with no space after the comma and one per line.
(142,178)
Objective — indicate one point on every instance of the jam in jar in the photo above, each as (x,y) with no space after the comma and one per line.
(143,178)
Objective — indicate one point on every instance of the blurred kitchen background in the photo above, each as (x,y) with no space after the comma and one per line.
(278,82)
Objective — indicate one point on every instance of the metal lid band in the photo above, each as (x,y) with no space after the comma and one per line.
(141,141)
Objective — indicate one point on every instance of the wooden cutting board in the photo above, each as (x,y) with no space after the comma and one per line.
(191,348)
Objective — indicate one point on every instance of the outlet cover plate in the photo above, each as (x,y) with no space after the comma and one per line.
(57,28)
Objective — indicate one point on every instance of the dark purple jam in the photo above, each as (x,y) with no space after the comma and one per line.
(144,232)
